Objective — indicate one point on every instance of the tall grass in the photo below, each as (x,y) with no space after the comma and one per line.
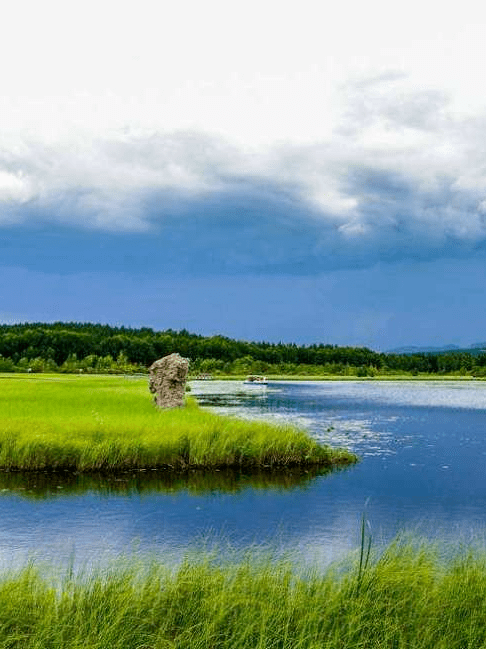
(99,423)
(410,598)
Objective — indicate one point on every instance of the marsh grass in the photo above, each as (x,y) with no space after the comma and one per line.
(96,423)
(410,598)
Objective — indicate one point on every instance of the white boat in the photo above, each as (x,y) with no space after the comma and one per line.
(255,380)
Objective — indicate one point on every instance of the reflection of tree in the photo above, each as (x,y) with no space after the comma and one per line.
(34,485)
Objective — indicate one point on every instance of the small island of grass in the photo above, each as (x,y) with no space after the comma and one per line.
(99,423)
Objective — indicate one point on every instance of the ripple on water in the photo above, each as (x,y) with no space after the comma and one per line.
(359,434)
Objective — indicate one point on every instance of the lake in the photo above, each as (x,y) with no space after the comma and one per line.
(423,466)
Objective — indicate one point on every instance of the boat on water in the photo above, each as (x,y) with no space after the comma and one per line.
(255,380)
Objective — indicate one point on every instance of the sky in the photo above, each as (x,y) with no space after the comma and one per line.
(302,172)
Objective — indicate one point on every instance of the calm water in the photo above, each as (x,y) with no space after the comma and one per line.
(423,450)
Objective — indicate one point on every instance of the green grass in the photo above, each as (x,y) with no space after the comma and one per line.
(98,423)
(409,598)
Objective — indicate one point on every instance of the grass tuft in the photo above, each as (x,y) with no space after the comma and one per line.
(104,424)
(409,598)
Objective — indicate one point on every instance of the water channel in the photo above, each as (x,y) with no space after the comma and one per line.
(423,466)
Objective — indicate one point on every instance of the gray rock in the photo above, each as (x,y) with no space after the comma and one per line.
(167,381)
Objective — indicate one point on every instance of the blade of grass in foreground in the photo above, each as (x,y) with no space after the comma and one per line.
(412,599)
(88,424)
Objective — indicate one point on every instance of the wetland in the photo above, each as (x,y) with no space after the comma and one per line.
(422,452)
(158,558)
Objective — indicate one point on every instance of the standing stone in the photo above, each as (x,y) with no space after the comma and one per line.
(167,381)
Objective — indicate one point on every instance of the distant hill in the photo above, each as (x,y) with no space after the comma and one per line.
(424,350)
(474,350)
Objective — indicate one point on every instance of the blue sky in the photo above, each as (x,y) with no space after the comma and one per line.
(262,170)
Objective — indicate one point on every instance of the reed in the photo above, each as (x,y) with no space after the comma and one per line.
(97,423)
(409,598)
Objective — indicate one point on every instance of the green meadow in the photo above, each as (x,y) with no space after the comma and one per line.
(409,597)
(109,423)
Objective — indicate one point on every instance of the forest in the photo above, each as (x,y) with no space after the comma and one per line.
(98,348)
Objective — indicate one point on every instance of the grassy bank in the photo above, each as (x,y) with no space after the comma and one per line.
(96,423)
(408,599)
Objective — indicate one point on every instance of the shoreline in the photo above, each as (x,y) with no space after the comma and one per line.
(88,424)
(333,377)
(229,377)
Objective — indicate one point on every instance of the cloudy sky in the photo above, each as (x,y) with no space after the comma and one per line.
(267,170)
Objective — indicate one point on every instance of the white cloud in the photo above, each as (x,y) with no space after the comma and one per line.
(254,73)
(14,187)
(389,166)
(373,120)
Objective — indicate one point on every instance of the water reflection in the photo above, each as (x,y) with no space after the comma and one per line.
(423,450)
(42,485)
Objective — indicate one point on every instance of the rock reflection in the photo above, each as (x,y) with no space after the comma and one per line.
(41,485)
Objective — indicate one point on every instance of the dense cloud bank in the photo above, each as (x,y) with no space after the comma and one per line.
(401,177)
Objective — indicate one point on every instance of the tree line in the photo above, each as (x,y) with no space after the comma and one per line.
(74,347)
